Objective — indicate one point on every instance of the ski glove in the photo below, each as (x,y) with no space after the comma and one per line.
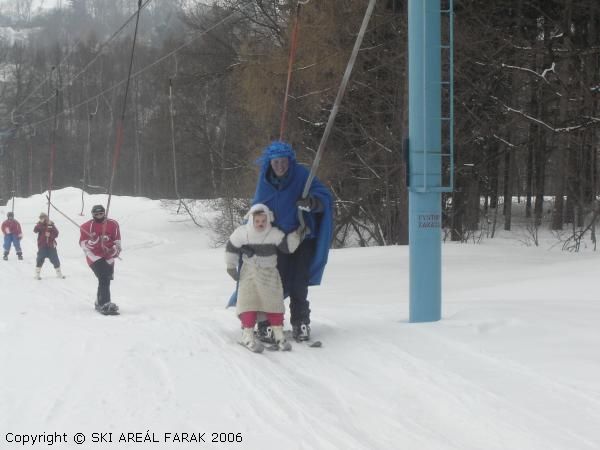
(115,251)
(303,232)
(91,243)
(308,204)
(112,249)
(233,273)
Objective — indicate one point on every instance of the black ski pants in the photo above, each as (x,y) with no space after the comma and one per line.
(294,270)
(104,272)
(50,253)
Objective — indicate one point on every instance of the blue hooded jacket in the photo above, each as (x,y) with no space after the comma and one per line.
(281,195)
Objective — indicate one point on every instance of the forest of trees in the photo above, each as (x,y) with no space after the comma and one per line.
(527,91)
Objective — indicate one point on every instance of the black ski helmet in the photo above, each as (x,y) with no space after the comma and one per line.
(10,214)
(98,209)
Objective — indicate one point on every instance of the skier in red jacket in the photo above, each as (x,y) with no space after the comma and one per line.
(12,235)
(47,234)
(100,240)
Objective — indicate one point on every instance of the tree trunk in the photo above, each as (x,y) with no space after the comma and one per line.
(529,174)
(563,139)
(507,188)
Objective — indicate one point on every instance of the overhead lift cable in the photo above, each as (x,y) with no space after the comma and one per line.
(120,122)
(144,69)
(87,66)
(38,87)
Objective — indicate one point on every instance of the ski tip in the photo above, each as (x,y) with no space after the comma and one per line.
(313,344)
(256,350)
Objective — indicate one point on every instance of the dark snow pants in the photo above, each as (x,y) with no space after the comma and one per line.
(294,270)
(50,253)
(104,272)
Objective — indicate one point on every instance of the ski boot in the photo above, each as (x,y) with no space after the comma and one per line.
(37,273)
(301,331)
(264,332)
(5,256)
(59,273)
(282,344)
(20,256)
(249,341)
(108,309)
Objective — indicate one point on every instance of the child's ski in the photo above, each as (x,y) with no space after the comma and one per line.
(254,349)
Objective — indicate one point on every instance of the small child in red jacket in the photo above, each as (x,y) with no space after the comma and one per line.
(46,241)
(12,235)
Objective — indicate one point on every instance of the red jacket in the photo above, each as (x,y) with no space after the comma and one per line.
(95,248)
(11,226)
(47,234)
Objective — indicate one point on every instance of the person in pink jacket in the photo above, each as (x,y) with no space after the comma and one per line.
(100,240)
(12,235)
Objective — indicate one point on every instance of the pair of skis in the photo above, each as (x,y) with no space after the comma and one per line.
(38,277)
(275,347)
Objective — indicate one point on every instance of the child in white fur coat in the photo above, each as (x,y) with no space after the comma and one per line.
(260,288)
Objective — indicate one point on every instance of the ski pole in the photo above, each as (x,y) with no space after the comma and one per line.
(68,218)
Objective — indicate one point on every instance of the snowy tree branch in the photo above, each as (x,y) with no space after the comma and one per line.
(539,75)
(593,120)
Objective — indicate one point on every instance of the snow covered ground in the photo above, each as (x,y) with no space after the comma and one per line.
(514,364)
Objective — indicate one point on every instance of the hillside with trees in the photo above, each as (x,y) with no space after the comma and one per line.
(527,91)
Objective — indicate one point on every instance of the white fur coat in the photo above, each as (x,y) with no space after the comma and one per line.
(260,287)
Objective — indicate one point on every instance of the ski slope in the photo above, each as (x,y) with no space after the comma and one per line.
(514,364)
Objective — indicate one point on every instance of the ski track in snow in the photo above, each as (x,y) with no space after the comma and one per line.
(511,365)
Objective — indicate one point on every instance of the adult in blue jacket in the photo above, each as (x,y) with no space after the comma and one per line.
(280,186)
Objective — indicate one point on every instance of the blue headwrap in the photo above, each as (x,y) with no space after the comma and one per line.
(277,149)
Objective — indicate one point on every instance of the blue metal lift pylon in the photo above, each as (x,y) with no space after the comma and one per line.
(430,162)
